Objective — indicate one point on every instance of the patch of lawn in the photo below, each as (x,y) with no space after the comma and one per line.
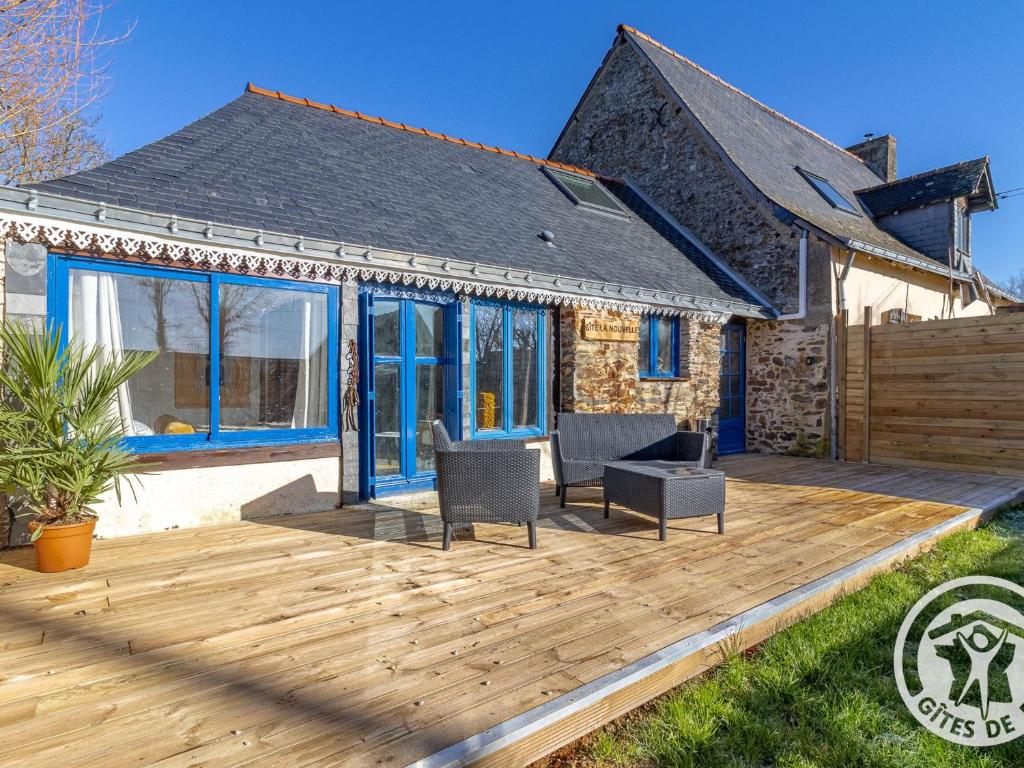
(822,692)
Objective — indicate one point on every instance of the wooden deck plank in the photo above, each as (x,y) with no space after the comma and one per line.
(346,637)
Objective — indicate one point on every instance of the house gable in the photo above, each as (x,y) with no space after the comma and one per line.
(772,152)
(628,125)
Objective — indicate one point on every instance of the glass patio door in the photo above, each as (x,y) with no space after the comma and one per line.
(411,383)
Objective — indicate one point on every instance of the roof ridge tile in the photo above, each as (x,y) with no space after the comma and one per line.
(658,44)
(251,88)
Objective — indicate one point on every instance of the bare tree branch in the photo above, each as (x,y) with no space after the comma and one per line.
(53,66)
(1015,283)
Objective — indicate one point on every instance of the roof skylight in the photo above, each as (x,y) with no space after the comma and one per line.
(585,192)
(830,193)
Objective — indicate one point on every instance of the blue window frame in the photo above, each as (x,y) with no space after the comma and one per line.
(409,376)
(507,369)
(659,347)
(243,361)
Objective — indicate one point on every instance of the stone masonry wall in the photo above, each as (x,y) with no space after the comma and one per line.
(597,377)
(695,396)
(603,377)
(788,388)
(788,372)
(629,127)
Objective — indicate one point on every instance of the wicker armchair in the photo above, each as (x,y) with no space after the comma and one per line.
(486,481)
(556,464)
(586,441)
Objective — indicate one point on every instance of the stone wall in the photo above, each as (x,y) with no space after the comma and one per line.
(629,127)
(788,388)
(695,396)
(597,377)
(603,376)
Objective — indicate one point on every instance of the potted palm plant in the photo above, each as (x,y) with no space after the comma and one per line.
(60,437)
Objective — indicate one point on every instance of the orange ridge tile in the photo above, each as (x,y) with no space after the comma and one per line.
(418,131)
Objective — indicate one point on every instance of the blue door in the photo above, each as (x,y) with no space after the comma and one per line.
(732,424)
(409,379)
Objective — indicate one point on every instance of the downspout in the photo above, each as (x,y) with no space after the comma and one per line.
(833,388)
(850,254)
(801,311)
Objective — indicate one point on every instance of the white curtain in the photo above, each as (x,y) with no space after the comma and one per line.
(311,389)
(94,317)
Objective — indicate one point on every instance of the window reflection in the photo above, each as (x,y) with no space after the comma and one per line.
(490,358)
(120,313)
(524,368)
(273,358)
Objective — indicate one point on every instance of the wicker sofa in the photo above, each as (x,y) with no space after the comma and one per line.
(584,442)
(486,481)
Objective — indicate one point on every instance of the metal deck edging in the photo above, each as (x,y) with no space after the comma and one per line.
(480,745)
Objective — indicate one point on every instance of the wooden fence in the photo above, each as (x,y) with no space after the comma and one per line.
(946,394)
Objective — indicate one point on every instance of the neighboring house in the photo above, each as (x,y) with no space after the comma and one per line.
(271,247)
(814,227)
(321,285)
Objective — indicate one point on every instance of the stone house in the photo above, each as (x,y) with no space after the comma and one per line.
(815,228)
(321,284)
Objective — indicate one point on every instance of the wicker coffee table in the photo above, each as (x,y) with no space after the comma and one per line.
(665,490)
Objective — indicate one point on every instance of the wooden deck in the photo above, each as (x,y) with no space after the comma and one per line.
(350,639)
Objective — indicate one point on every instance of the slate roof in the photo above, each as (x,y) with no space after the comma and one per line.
(767,148)
(284,165)
(969,179)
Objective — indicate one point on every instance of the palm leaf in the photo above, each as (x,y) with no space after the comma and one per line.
(60,437)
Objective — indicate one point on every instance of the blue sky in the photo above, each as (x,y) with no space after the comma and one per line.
(943,77)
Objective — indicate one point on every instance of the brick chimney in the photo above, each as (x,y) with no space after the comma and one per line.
(878,154)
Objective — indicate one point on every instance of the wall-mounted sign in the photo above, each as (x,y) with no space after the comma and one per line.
(604,328)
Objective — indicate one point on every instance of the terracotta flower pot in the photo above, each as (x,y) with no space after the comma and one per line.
(62,547)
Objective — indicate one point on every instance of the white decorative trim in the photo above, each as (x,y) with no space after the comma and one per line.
(116,244)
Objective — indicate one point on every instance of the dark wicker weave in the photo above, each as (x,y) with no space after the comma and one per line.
(666,491)
(585,442)
(486,481)
(556,464)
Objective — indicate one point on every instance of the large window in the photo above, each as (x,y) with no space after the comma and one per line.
(507,369)
(240,360)
(659,347)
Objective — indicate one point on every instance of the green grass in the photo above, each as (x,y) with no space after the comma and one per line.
(822,692)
